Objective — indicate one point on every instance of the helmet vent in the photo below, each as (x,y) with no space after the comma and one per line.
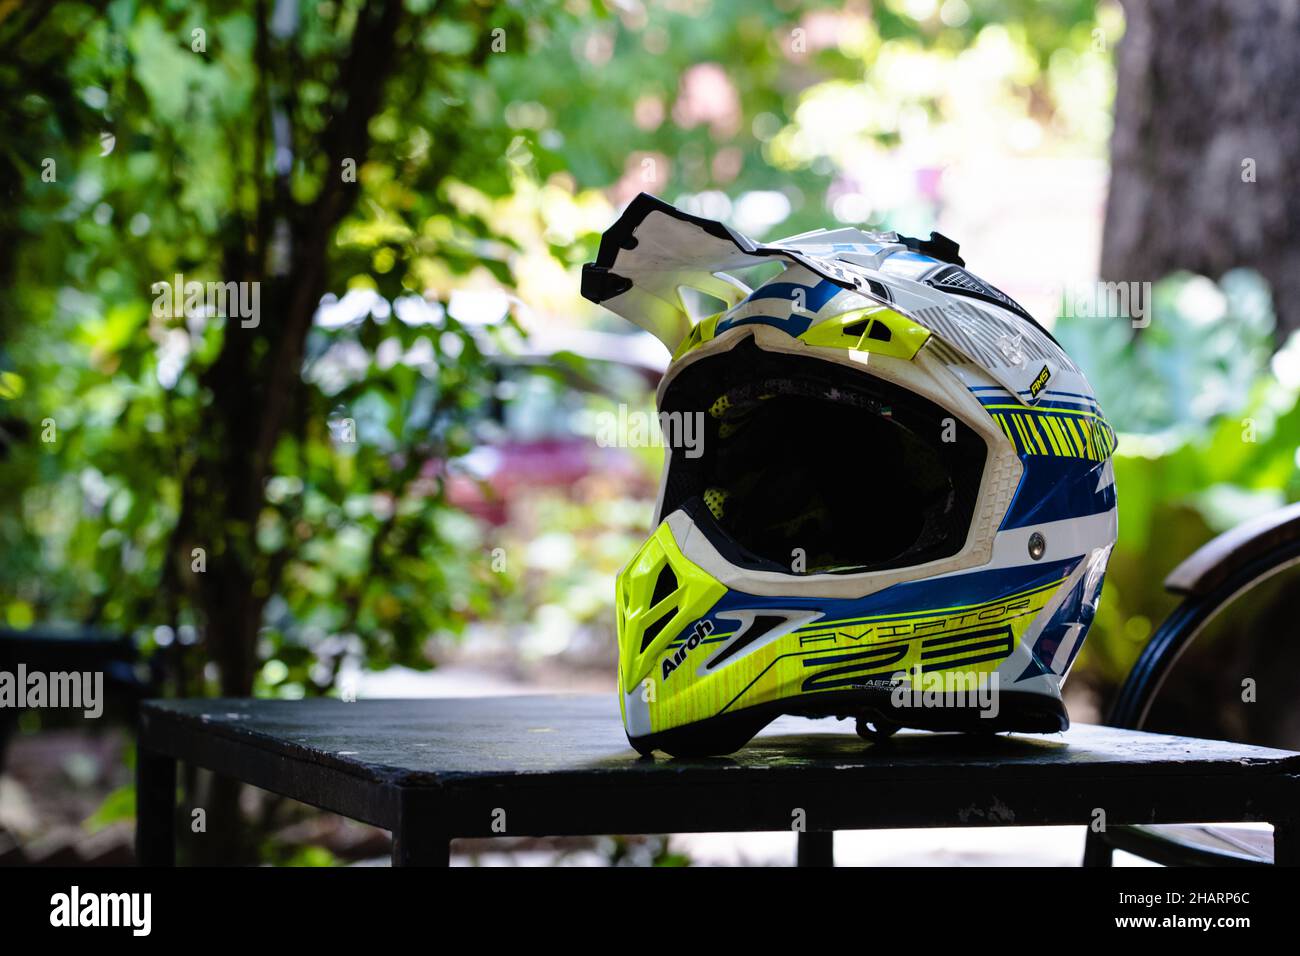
(652,630)
(665,584)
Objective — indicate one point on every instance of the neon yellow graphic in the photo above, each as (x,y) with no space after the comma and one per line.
(1040,382)
(829,656)
(1064,432)
(702,332)
(685,593)
(875,329)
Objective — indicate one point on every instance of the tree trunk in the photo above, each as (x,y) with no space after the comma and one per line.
(1205,155)
(255,385)
(256,381)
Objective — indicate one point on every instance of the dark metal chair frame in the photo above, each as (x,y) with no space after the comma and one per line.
(1208,581)
(78,649)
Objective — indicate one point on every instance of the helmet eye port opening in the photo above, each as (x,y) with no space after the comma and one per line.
(801,456)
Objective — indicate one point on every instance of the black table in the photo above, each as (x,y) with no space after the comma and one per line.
(433,770)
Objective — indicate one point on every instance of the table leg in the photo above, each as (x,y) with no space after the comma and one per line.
(1096,851)
(8,723)
(1286,843)
(420,839)
(816,849)
(155,809)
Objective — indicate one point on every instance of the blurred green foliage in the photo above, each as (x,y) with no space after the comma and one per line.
(218,143)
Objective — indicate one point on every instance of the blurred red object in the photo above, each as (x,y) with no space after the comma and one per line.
(486,481)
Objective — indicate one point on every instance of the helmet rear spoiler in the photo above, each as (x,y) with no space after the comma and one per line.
(655,250)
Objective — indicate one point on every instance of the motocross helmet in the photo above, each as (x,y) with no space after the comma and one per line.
(899,506)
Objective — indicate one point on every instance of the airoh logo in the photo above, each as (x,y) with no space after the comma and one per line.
(702,630)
